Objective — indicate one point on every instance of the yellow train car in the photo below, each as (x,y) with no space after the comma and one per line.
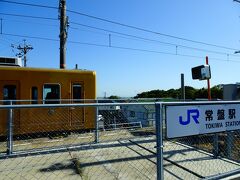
(47,86)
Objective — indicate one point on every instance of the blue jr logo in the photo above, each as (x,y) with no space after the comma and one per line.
(194,113)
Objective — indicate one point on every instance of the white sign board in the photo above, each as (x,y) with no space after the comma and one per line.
(201,119)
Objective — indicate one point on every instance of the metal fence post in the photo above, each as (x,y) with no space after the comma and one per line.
(10,130)
(159,139)
(229,144)
(114,120)
(215,145)
(96,124)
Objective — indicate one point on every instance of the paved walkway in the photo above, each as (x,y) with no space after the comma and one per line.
(117,160)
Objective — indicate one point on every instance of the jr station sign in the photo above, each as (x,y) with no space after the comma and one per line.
(187,120)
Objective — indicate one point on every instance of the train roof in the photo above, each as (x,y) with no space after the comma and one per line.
(34,69)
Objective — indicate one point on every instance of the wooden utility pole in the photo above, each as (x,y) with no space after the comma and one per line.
(63,32)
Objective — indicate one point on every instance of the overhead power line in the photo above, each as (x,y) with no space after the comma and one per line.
(151,31)
(27,16)
(124,25)
(153,40)
(120,47)
(32,23)
(122,34)
(31,37)
(29,4)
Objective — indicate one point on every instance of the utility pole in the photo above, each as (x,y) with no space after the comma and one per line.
(63,32)
(182,88)
(236,52)
(236,1)
(23,51)
(1,26)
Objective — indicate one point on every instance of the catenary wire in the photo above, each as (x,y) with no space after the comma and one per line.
(118,47)
(122,24)
(122,34)
(153,40)
(153,32)
(28,16)
(29,4)
(32,23)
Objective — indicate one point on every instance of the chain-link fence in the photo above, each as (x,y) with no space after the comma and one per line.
(83,140)
(213,154)
(117,139)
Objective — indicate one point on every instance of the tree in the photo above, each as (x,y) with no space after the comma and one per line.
(216,92)
(174,93)
(190,93)
(201,94)
(113,97)
(152,94)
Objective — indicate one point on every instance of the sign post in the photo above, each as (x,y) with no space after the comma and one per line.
(208,83)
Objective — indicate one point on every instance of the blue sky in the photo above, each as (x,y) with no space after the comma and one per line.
(156,62)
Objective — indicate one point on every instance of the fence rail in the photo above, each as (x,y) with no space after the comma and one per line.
(82,140)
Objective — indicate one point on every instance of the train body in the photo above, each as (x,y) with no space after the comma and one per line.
(47,86)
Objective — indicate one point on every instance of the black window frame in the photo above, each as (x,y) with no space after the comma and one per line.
(77,99)
(34,95)
(13,97)
(51,97)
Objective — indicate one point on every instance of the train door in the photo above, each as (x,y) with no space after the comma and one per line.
(9,90)
(77,113)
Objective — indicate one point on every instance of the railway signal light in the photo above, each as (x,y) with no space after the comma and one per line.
(202,72)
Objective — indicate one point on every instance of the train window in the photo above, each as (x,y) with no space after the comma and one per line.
(34,95)
(77,92)
(9,93)
(51,93)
